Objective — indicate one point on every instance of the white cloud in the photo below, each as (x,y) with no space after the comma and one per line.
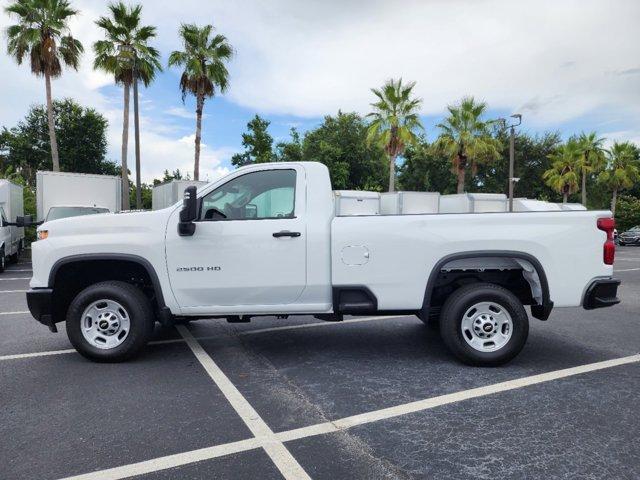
(622,136)
(160,152)
(554,56)
(182,112)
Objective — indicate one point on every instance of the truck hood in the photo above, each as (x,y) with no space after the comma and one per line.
(108,223)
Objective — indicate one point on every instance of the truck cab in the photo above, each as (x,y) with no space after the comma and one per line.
(267,240)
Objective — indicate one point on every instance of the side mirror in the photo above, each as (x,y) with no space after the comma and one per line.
(25,221)
(189,212)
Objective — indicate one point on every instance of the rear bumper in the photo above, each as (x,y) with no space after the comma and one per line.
(601,293)
(39,303)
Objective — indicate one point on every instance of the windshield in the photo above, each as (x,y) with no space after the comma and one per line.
(56,213)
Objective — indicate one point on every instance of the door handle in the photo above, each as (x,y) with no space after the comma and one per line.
(286,233)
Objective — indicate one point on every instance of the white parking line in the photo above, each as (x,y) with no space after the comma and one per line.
(13,291)
(428,403)
(17,270)
(281,457)
(71,350)
(626,270)
(36,354)
(318,324)
(171,461)
(14,313)
(16,278)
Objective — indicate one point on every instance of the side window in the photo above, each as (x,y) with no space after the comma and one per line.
(256,195)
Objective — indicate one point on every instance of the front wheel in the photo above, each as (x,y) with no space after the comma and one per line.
(3,260)
(109,321)
(484,324)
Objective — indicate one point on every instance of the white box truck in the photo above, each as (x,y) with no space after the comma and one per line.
(64,194)
(169,193)
(11,237)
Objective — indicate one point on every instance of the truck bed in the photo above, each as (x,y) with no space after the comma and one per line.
(364,248)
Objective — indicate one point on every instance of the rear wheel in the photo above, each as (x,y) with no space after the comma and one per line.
(3,260)
(109,321)
(484,324)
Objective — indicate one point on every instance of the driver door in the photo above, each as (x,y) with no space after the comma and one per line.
(249,248)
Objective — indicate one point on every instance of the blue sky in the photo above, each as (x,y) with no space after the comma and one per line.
(567,66)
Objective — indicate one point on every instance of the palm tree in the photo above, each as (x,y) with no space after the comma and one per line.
(592,158)
(126,42)
(622,171)
(466,138)
(203,58)
(42,32)
(395,121)
(565,168)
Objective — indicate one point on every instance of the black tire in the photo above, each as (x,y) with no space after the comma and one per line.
(454,310)
(622,244)
(3,260)
(139,312)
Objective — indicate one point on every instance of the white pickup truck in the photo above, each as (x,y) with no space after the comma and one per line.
(265,240)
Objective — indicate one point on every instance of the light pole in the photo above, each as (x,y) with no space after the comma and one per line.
(512,137)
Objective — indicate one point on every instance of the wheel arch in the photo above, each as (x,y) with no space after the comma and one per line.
(83,262)
(540,310)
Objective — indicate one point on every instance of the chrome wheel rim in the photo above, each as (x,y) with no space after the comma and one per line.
(105,324)
(486,326)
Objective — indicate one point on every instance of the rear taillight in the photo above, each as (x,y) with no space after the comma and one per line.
(607,225)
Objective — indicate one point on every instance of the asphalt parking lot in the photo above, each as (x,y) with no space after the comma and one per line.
(300,398)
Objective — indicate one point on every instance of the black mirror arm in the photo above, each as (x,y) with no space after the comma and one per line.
(189,212)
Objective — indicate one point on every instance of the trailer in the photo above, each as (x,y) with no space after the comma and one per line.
(169,193)
(76,192)
(11,237)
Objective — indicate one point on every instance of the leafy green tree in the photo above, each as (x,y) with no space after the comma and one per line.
(394,121)
(82,141)
(126,40)
(592,158)
(340,142)
(466,139)
(204,60)
(167,177)
(425,170)
(257,143)
(290,151)
(622,170)
(628,212)
(42,33)
(146,196)
(565,167)
(531,161)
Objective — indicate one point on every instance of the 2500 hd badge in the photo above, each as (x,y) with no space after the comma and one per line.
(199,269)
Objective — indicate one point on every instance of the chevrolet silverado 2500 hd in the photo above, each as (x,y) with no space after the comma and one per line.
(266,240)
